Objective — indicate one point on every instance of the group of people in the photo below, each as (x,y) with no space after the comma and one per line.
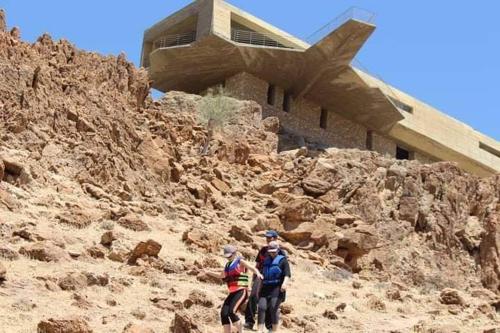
(271,275)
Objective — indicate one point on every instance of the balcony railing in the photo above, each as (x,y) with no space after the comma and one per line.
(254,38)
(175,40)
(353,13)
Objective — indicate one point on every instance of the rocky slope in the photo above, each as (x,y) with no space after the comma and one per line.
(108,211)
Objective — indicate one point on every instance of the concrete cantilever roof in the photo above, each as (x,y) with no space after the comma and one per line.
(320,72)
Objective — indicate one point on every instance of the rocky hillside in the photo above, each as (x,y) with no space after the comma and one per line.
(108,211)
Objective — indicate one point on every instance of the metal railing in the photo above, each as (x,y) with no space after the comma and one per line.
(353,13)
(254,38)
(175,40)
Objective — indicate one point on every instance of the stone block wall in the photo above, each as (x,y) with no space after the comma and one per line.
(303,119)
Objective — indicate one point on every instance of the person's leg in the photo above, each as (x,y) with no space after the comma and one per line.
(275,312)
(251,309)
(239,297)
(261,317)
(224,314)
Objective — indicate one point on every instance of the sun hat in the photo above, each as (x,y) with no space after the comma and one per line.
(229,250)
(273,247)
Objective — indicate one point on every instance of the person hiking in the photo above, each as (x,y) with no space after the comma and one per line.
(276,271)
(236,277)
(251,310)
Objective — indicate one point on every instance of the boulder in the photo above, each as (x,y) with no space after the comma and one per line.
(108,237)
(203,239)
(182,323)
(344,219)
(471,234)
(450,296)
(133,328)
(329,314)
(44,251)
(240,234)
(8,253)
(271,124)
(133,222)
(220,185)
(149,248)
(315,186)
(70,325)
(198,297)
(73,281)
(408,209)
(298,209)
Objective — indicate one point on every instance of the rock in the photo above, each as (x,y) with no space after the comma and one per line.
(3,273)
(472,234)
(376,304)
(451,296)
(44,251)
(198,297)
(271,124)
(240,234)
(74,218)
(319,295)
(108,237)
(393,294)
(355,243)
(149,248)
(356,285)
(3,28)
(330,315)
(96,252)
(132,328)
(73,281)
(176,172)
(94,279)
(204,239)
(298,209)
(70,325)
(8,254)
(341,307)
(344,219)
(220,185)
(182,323)
(315,187)
(133,222)
(286,308)
(408,209)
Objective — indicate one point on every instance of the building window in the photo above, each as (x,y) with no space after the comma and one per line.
(401,105)
(369,140)
(403,154)
(323,118)
(287,101)
(271,94)
(489,149)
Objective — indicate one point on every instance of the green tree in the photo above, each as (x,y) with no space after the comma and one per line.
(215,109)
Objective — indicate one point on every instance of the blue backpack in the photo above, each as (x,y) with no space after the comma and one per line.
(272,271)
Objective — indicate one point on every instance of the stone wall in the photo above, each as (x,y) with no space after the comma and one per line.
(383,145)
(303,119)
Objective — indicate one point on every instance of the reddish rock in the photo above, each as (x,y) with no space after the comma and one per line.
(71,325)
(133,222)
(44,251)
(315,187)
(108,237)
(220,185)
(451,296)
(148,248)
(182,323)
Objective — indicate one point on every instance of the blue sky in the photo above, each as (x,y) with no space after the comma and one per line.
(445,52)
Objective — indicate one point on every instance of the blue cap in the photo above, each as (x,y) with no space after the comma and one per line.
(271,233)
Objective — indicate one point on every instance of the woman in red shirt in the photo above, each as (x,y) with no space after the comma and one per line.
(236,277)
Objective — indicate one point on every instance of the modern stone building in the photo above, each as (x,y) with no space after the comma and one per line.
(313,89)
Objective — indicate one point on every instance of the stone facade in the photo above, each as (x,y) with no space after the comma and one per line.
(303,118)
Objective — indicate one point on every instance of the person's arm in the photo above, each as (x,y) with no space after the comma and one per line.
(217,275)
(287,273)
(252,269)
